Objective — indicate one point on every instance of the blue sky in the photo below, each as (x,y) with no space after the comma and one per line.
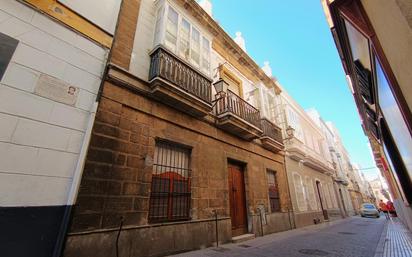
(296,40)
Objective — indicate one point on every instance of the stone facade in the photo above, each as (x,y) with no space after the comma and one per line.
(116,180)
(115,192)
(307,210)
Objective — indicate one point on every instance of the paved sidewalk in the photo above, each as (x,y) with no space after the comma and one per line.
(396,242)
(351,237)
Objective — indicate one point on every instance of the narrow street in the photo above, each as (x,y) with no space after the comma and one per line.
(345,238)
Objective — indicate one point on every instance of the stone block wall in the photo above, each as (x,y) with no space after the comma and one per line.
(117,178)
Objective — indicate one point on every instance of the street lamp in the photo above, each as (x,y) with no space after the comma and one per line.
(290,132)
(221,87)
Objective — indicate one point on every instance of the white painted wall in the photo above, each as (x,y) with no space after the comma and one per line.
(143,44)
(40,139)
(93,10)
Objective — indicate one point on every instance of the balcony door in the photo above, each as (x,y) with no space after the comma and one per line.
(237,199)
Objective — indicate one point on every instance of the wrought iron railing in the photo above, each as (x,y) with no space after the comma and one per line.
(236,105)
(171,68)
(271,130)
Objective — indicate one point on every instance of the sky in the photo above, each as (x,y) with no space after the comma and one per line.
(297,41)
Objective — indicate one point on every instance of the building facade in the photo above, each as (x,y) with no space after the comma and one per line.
(371,38)
(335,151)
(53,55)
(309,166)
(379,191)
(175,162)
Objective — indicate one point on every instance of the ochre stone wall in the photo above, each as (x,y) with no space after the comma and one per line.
(124,38)
(116,180)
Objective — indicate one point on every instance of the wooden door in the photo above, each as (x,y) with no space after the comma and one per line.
(325,212)
(237,200)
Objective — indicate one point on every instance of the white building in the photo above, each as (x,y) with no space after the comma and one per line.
(308,164)
(336,150)
(53,56)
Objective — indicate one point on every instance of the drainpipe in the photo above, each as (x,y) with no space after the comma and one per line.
(74,189)
(290,198)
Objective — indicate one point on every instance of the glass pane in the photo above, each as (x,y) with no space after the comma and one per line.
(394,119)
(171,29)
(205,54)
(158,26)
(271,178)
(195,46)
(160,185)
(359,46)
(274,204)
(184,39)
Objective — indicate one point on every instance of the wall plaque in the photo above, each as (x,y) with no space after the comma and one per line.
(56,90)
(7,47)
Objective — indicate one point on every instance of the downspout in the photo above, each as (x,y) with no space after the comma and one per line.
(286,172)
(61,237)
(74,189)
(290,199)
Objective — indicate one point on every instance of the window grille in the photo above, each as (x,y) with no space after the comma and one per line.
(273,191)
(170,191)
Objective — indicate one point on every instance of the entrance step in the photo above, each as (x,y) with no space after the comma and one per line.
(242,238)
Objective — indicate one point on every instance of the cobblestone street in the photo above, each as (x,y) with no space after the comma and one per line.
(344,238)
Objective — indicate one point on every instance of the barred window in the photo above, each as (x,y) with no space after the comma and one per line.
(170,192)
(273,191)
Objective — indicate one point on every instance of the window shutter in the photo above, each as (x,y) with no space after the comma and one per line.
(311,194)
(364,80)
(300,194)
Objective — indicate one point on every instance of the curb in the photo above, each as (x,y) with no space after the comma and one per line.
(382,241)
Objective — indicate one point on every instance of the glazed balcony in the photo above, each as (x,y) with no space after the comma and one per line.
(176,83)
(237,116)
(272,136)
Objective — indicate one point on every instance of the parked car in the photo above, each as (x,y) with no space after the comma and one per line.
(369,210)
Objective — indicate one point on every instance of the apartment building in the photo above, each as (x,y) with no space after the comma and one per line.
(53,55)
(178,159)
(380,191)
(335,150)
(308,164)
(367,192)
(371,38)
(346,171)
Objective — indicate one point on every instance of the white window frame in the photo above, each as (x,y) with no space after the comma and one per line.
(311,193)
(162,37)
(294,122)
(298,185)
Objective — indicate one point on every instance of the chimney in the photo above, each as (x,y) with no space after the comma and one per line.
(207,6)
(267,69)
(240,40)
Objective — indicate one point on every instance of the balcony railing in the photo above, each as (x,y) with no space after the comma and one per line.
(171,68)
(271,130)
(234,104)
